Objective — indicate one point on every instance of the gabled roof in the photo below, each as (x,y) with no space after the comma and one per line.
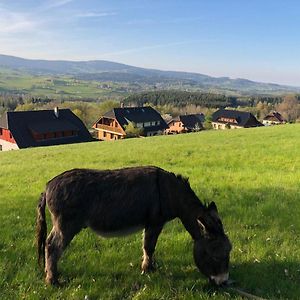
(190,121)
(275,116)
(143,114)
(243,118)
(22,123)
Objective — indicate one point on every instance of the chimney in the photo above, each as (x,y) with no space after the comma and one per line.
(56,112)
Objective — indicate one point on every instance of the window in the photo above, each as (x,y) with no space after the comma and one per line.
(1,131)
(10,135)
(104,134)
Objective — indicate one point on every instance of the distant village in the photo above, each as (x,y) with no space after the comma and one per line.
(25,129)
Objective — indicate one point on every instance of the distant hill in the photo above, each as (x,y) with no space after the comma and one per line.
(101,70)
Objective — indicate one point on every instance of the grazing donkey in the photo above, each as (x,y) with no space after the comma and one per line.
(117,202)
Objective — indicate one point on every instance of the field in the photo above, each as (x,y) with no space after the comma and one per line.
(252,174)
(60,87)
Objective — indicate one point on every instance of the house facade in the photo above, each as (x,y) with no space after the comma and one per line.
(231,119)
(274,118)
(185,123)
(112,125)
(24,129)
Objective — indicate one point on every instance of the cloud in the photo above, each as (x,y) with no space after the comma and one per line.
(14,22)
(153,21)
(56,3)
(95,14)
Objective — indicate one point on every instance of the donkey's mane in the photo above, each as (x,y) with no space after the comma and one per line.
(186,183)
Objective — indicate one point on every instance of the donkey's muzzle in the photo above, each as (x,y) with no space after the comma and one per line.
(219,279)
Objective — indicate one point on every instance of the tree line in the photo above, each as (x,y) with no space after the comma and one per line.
(181,99)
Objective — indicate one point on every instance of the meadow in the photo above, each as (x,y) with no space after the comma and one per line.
(60,87)
(252,174)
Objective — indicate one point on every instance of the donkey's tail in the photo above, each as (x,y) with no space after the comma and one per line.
(41,228)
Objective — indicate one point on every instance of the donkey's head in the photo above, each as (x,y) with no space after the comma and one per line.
(211,251)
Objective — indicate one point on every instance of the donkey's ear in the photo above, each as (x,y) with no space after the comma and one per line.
(202,227)
(212,206)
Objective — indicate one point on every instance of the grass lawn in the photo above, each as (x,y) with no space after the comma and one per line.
(252,174)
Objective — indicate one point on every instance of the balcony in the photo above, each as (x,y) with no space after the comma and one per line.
(110,128)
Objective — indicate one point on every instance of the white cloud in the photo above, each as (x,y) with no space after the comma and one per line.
(14,22)
(95,14)
(56,3)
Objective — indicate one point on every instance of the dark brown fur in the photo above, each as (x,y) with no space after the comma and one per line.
(114,201)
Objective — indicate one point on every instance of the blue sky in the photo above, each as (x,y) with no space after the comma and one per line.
(257,39)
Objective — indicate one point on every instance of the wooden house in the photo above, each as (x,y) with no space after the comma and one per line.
(112,125)
(185,123)
(225,118)
(24,129)
(274,118)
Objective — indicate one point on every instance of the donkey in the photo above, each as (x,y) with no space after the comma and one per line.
(118,202)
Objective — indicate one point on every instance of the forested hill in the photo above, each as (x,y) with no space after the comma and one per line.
(181,98)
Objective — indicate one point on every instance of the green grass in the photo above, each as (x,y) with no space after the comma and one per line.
(58,87)
(252,174)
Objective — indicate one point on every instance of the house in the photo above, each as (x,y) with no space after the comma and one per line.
(112,125)
(24,129)
(224,118)
(186,123)
(274,118)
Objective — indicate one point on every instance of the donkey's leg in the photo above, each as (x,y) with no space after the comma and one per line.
(57,241)
(53,251)
(151,234)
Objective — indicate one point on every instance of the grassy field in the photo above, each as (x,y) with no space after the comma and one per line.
(61,87)
(252,174)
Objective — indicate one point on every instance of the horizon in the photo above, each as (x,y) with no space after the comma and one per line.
(254,41)
(168,70)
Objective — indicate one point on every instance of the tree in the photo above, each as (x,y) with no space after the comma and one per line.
(289,108)
(207,122)
(262,109)
(78,113)
(132,130)
(198,127)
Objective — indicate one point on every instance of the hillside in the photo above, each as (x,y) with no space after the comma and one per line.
(141,78)
(252,174)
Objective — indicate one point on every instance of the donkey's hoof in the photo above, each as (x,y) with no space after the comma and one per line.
(52,281)
(148,269)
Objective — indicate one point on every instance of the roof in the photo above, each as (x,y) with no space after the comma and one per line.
(143,114)
(243,118)
(275,116)
(190,121)
(21,123)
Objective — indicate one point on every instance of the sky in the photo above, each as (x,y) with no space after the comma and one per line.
(254,39)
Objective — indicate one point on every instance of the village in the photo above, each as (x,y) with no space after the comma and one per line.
(25,129)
